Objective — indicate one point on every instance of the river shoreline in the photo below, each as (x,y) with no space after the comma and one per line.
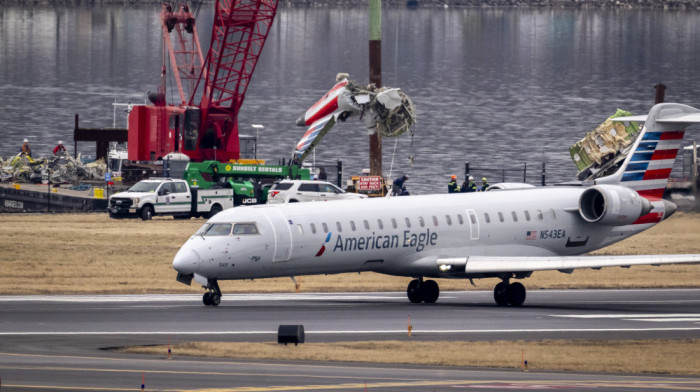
(574,4)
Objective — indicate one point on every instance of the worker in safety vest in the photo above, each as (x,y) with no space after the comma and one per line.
(452,186)
(484,184)
(469,185)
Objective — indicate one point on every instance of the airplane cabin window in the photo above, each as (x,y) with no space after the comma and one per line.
(313,228)
(352,225)
(300,229)
(435,221)
(472,217)
(219,229)
(421,222)
(340,228)
(500,217)
(245,228)
(449,220)
(539,215)
(408,223)
(527,215)
(551,212)
(325,227)
(487,218)
(393,223)
(380,224)
(515,216)
(460,219)
(366,225)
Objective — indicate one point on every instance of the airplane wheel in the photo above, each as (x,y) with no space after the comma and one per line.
(414,291)
(206,298)
(500,294)
(215,299)
(430,291)
(516,294)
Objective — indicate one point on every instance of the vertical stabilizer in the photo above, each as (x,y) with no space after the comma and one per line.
(648,165)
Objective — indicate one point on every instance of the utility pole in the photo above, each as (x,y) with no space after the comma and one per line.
(375,77)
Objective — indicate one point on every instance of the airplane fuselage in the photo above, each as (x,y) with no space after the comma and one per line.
(398,236)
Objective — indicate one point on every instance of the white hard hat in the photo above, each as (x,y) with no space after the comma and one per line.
(60,142)
(471,178)
(25,141)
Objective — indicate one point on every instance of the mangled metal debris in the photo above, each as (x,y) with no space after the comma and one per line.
(604,148)
(384,110)
(58,169)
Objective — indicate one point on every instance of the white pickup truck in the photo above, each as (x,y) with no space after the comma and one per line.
(167,196)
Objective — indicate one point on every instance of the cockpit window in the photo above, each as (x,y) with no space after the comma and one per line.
(245,228)
(219,229)
(202,229)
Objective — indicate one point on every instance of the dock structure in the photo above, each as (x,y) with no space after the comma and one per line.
(47,198)
(101,136)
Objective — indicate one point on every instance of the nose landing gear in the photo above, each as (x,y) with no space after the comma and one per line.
(213,296)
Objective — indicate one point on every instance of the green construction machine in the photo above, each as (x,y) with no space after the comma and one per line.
(249,179)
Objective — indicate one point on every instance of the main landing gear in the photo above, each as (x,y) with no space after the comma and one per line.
(506,293)
(213,296)
(419,291)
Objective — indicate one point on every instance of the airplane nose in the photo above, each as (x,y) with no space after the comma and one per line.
(186,261)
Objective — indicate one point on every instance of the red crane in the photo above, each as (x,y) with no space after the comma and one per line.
(203,125)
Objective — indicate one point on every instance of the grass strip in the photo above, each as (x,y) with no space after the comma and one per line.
(665,356)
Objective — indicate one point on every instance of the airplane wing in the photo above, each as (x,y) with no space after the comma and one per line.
(313,135)
(485,264)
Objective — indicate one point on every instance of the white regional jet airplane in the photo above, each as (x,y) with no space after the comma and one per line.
(505,234)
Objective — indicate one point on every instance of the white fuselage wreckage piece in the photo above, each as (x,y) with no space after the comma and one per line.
(505,234)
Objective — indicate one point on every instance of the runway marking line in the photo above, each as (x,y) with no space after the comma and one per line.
(626,316)
(185,360)
(627,382)
(345,332)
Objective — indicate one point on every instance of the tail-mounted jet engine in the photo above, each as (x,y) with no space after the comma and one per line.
(612,205)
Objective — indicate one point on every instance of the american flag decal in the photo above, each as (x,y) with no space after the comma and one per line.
(531,235)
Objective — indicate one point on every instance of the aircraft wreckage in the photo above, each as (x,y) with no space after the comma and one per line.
(384,110)
(603,149)
(58,169)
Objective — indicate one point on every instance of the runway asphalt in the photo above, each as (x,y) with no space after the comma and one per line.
(56,343)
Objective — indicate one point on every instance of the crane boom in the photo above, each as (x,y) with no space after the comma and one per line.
(238,36)
(186,59)
(206,129)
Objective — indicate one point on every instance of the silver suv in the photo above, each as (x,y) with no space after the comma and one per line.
(292,191)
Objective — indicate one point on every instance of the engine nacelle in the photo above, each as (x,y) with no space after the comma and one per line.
(612,205)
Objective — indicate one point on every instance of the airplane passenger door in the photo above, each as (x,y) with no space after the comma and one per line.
(283,235)
(473,225)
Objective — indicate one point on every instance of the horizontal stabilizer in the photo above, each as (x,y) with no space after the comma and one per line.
(675,118)
(641,118)
(489,264)
(314,135)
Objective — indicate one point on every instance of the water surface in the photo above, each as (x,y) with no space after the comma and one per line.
(491,87)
